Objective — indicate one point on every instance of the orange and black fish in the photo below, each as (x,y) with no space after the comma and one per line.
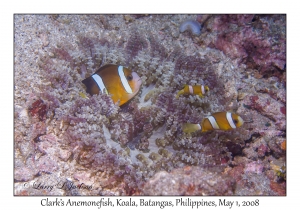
(217,121)
(199,90)
(120,82)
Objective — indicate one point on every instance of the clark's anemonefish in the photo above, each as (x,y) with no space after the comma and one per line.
(199,90)
(218,120)
(121,83)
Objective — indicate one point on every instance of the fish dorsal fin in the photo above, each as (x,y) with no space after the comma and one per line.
(104,67)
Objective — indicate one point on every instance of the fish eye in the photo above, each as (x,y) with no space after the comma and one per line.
(129,77)
(235,121)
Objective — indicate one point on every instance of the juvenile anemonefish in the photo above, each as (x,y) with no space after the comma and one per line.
(121,83)
(218,120)
(193,90)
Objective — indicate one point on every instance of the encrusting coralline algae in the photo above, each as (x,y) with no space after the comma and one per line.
(64,135)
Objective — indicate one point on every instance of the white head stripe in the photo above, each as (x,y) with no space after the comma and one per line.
(99,82)
(213,122)
(230,120)
(191,89)
(124,80)
(202,89)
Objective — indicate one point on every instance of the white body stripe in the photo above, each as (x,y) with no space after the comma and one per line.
(202,89)
(124,80)
(230,120)
(213,122)
(99,82)
(191,89)
(199,126)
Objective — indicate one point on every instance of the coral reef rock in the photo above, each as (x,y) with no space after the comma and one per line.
(189,181)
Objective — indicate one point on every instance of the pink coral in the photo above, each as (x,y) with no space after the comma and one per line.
(254,168)
(39,109)
(258,41)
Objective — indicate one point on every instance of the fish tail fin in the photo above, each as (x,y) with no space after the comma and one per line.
(179,93)
(190,127)
(82,95)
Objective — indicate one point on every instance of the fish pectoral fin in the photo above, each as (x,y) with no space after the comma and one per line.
(111,90)
(115,93)
(117,103)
